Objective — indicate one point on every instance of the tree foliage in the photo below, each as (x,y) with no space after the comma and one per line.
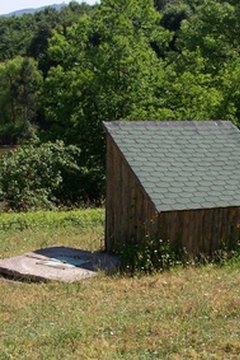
(20,84)
(120,60)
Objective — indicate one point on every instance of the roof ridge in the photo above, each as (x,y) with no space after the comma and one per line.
(171,123)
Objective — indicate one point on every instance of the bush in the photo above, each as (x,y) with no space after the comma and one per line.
(15,133)
(32,177)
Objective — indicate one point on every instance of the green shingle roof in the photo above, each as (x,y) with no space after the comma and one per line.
(182,165)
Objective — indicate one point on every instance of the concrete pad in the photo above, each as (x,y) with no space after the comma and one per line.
(57,263)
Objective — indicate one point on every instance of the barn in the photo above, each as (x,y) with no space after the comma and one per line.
(173,180)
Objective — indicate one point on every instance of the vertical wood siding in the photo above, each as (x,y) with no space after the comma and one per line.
(201,231)
(130,215)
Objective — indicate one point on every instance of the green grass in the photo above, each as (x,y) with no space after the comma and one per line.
(51,219)
(191,313)
(21,232)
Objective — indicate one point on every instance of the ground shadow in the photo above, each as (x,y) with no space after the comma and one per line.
(73,257)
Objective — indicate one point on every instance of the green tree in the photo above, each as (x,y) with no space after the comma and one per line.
(229,83)
(20,83)
(214,30)
(109,69)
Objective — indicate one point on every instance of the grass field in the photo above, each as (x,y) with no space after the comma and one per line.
(191,313)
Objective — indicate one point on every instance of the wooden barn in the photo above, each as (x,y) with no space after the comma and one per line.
(173,180)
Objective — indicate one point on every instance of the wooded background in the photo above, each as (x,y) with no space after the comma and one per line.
(64,72)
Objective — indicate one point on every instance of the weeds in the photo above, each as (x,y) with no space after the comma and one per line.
(161,255)
(153,255)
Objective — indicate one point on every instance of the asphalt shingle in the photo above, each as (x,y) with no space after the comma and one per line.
(182,165)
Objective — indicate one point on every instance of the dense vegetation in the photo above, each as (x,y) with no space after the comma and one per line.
(63,73)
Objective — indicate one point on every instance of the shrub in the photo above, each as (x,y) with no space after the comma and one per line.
(32,176)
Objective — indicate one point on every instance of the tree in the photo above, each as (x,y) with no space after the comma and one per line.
(109,69)
(20,83)
(38,47)
(228,82)
(214,30)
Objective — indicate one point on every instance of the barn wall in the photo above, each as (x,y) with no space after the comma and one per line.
(130,215)
(201,231)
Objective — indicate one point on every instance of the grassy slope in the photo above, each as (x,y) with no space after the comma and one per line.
(182,314)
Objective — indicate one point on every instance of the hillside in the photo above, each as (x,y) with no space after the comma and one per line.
(57,7)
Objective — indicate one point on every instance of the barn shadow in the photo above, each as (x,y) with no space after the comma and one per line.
(60,263)
(78,258)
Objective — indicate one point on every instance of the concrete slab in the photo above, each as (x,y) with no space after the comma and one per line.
(57,263)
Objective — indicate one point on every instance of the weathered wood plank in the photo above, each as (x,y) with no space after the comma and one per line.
(130,215)
(202,231)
